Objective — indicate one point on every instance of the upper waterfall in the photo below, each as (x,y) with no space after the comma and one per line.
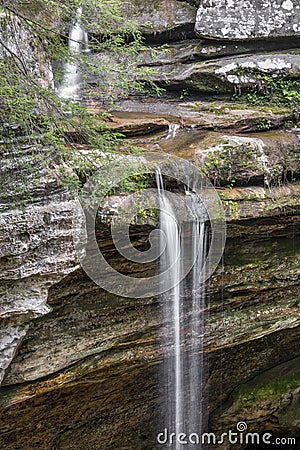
(78,43)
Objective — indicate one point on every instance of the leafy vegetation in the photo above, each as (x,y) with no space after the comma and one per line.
(263,124)
(230,163)
(271,390)
(272,91)
(31,113)
(234,163)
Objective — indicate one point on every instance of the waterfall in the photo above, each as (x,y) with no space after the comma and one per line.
(183,308)
(78,43)
(173,128)
(172,306)
(196,327)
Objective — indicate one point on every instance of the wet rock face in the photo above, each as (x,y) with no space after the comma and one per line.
(248,19)
(274,396)
(266,158)
(111,408)
(264,392)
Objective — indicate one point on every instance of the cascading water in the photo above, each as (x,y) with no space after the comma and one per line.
(183,317)
(173,128)
(196,327)
(172,309)
(78,43)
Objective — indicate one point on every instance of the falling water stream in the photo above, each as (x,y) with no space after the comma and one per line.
(183,305)
(173,128)
(183,315)
(78,43)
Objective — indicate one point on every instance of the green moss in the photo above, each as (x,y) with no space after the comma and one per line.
(233,208)
(271,91)
(65,435)
(271,390)
(207,83)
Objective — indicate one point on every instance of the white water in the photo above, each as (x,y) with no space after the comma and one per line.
(183,315)
(173,128)
(172,306)
(78,43)
(196,325)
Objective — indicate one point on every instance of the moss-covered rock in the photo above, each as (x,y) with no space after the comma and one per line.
(227,75)
(269,158)
(273,396)
(205,115)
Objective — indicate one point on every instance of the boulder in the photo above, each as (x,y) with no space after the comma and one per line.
(164,20)
(248,19)
(268,158)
